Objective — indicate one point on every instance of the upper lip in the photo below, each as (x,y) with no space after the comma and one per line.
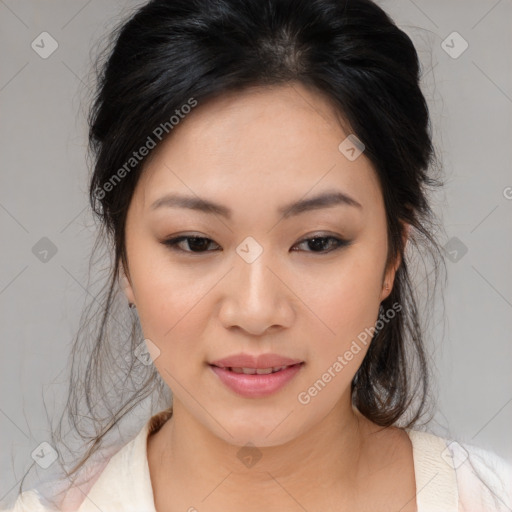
(261,361)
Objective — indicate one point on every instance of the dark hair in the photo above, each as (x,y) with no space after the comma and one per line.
(351,53)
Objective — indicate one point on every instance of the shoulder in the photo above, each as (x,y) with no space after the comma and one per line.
(55,495)
(124,483)
(482,478)
(120,480)
(30,501)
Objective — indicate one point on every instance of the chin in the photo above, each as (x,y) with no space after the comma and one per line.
(262,429)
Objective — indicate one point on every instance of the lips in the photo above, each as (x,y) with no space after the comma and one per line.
(256,386)
(257,371)
(260,362)
(256,376)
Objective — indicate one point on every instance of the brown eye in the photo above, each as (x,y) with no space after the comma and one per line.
(196,244)
(320,243)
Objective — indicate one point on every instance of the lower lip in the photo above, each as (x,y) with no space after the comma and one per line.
(255,386)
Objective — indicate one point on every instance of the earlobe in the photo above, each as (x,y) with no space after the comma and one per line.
(389,278)
(386,288)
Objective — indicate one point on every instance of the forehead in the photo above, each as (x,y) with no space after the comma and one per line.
(273,140)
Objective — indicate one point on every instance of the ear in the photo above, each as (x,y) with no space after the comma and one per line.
(389,276)
(126,286)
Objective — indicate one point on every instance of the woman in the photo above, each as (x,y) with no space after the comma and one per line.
(260,169)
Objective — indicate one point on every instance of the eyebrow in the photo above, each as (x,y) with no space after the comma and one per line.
(324,200)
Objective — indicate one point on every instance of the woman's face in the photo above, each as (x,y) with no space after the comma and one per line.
(256,285)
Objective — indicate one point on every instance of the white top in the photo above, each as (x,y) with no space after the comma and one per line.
(445,478)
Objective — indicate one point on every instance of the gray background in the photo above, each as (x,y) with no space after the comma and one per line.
(43,193)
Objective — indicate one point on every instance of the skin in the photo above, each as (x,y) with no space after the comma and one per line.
(253,152)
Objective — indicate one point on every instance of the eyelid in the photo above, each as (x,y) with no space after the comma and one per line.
(340,241)
(173,241)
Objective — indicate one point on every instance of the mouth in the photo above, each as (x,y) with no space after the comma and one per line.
(256,371)
(251,382)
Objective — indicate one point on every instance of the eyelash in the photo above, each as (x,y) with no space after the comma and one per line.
(172,243)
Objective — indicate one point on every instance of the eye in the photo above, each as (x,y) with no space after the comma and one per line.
(318,243)
(196,243)
(199,244)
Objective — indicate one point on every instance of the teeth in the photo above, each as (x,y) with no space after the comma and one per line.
(263,371)
(259,371)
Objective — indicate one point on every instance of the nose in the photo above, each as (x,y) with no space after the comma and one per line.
(256,298)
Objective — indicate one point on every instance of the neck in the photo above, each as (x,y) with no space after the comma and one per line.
(189,456)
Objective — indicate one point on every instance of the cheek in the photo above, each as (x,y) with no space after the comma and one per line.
(347,299)
(342,310)
(171,304)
